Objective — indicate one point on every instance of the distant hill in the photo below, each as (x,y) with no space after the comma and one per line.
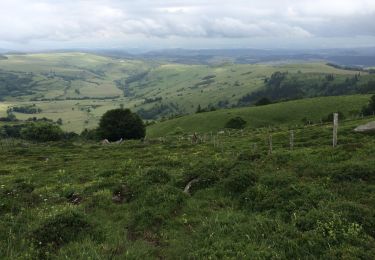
(284,113)
(350,57)
(2,57)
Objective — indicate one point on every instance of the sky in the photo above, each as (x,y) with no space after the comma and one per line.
(193,24)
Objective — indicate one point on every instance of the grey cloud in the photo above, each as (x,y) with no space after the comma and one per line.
(109,20)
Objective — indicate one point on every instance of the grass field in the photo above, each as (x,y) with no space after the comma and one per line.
(226,196)
(285,113)
(80,200)
(81,87)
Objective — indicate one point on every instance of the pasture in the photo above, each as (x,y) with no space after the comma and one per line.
(80,200)
(80,87)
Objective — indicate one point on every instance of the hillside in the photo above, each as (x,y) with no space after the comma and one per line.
(284,113)
(81,200)
(80,87)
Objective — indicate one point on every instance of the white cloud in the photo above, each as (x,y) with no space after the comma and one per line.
(39,21)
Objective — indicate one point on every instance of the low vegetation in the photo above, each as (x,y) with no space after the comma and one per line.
(291,113)
(236,123)
(84,200)
(41,132)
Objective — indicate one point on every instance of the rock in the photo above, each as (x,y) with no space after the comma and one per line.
(117,198)
(367,128)
(188,186)
(75,199)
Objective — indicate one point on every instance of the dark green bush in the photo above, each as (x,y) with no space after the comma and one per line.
(42,132)
(329,117)
(263,101)
(58,231)
(370,108)
(121,123)
(236,123)
(239,181)
(90,134)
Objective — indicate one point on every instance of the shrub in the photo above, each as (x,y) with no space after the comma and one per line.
(239,181)
(263,101)
(42,132)
(329,117)
(58,231)
(236,123)
(178,131)
(90,134)
(370,108)
(11,131)
(121,123)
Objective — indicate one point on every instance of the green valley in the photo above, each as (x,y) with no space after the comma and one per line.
(79,87)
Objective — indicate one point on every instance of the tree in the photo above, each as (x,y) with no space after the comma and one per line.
(235,123)
(329,117)
(121,123)
(199,109)
(42,132)
(370,108)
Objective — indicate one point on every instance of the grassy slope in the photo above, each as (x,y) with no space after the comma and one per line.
(313,202)
(176,83)
(287,113)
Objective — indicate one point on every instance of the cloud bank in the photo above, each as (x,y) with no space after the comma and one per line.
(49,23)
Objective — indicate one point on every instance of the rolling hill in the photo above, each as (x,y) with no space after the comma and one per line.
(283,113)
(79,87)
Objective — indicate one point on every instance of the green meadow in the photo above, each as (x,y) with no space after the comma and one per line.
(83,200)
(289,113)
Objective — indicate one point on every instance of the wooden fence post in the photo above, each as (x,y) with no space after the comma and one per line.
(335,127)
(291,140)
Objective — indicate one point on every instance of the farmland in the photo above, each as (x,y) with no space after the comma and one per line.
(80,87)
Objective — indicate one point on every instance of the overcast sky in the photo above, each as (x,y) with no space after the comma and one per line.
(150,24)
